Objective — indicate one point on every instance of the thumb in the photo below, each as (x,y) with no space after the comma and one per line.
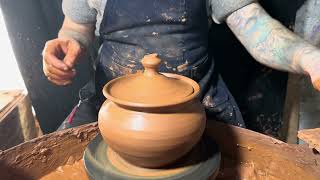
(73,52)
(312,68)
(315,78)
(316,83)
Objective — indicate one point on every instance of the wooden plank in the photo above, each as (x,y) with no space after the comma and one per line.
(17,123)
(8,99)
(10,128)
(311,137)
(4,101)
(290,125)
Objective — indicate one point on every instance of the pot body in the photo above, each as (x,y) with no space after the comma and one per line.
(152,137)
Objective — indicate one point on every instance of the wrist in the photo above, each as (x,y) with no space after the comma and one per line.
(82,39)
(310,60)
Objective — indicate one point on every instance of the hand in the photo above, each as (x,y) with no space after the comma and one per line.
(59,59)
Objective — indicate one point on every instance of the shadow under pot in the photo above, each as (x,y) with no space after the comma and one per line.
(152,119)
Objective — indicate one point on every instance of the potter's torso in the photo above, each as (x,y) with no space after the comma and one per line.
(97,9)
(177,30)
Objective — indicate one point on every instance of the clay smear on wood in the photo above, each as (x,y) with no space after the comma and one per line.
(40,156)
(262,156)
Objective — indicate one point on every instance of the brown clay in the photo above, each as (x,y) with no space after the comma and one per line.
(151,88)
(152,119)
(250,155)
(128,168)
(67,172)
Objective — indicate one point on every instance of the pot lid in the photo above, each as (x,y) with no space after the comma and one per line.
(150,87)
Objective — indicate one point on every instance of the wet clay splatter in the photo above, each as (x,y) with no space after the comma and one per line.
(74,171)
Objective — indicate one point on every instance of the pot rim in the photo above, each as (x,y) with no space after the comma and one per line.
(194,84)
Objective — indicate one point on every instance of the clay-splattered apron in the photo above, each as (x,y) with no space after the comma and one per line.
(177,30)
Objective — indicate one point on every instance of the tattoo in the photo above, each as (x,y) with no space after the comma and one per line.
(268,41)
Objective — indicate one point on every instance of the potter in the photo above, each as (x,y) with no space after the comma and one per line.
(148,128)
(152,119)
(178,32)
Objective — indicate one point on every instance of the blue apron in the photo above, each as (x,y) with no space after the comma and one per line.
(177,30)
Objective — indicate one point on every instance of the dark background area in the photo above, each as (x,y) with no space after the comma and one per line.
(259,91)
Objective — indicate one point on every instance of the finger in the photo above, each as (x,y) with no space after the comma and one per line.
(55,62)
(316,84)
(54,76)
(51,70)
(314,74)
(60,73)
(51,53)
(72,54)
(59,82)
(64,46)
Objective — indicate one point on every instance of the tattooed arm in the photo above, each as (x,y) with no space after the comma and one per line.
(274,45)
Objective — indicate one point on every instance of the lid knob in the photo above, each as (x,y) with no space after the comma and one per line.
(151,64)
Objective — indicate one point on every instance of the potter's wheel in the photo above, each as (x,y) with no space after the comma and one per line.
(103,163)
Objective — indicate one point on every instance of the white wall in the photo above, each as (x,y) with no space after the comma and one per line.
(10,76)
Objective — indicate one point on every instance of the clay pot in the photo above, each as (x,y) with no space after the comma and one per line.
(152,119)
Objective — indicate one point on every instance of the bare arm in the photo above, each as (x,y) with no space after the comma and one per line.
(272,44)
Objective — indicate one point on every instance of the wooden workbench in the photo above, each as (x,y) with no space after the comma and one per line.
(17,123)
